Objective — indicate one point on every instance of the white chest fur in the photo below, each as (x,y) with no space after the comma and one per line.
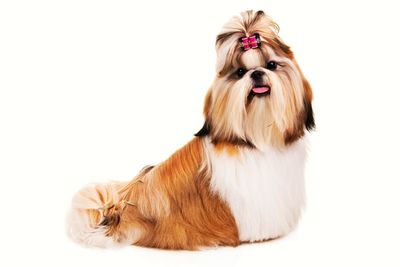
(264,189)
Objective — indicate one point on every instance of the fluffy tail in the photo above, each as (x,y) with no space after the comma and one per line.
(95,217)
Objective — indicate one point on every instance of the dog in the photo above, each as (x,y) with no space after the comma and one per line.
(240,179)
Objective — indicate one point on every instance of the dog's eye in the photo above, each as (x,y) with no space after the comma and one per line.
(272,65)
(240,72)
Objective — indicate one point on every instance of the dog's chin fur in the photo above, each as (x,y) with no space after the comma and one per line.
(239,180)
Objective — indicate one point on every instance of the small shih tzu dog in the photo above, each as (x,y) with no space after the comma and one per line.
(241,178)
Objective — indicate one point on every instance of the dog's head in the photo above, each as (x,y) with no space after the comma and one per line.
(259,95)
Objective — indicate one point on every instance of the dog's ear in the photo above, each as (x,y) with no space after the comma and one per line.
(305,119)
(205,130)
(309,122)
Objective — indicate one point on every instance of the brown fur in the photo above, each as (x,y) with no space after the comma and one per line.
(229,148)
(173,207)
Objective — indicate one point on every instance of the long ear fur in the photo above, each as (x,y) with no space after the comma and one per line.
(305,117)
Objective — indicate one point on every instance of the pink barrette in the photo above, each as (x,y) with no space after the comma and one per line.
(250,42)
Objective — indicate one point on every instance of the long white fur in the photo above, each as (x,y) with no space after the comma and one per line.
(264,188)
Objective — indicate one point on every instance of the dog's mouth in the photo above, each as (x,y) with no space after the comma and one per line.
(260,90)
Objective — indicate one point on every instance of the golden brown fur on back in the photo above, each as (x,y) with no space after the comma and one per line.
(169,206)
(190,216)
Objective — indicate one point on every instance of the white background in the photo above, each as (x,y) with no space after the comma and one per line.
(94,90)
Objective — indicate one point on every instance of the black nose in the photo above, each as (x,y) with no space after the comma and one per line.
(256,75)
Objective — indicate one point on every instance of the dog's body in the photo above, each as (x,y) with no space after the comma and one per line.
(239,180)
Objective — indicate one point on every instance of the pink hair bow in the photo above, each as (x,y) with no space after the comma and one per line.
(253,41)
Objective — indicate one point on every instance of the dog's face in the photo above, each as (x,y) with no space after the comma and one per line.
(259,95)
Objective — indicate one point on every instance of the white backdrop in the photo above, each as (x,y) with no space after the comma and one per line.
(94,90)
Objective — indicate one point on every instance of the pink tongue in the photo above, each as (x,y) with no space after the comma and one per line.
(260,90)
